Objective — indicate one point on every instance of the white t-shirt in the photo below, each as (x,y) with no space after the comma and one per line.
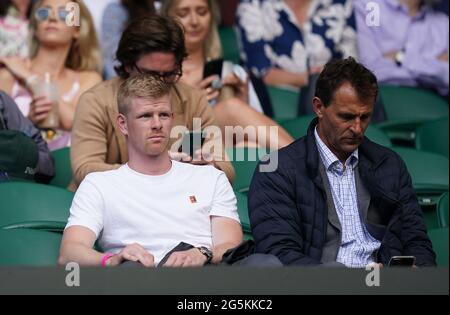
(123,207)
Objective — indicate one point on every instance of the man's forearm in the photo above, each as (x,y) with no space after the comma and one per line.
(220,250)
(80,254)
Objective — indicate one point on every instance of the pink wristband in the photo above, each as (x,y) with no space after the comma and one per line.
(105,259)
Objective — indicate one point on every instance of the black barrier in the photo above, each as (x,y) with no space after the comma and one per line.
(232,281)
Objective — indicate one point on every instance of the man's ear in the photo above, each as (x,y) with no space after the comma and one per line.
(318,107)
(122,123)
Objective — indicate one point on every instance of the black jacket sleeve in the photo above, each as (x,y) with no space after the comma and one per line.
(16,121)
(274,217)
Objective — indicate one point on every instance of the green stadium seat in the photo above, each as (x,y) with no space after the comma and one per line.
(439,238)
(298,128)
(34,206)
(443,211)
(284,103)
(429,171)
(32,248)
(407,108)
(248,237)
(429,174)
(243,212)
(63,168)
(433,137)
(230,44)
(244,161)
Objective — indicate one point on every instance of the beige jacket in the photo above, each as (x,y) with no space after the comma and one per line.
(98,144)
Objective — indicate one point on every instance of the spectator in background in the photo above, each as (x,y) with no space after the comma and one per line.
(200,20)
(12,119)
(116,18)
(285,41)
(69,55)
(410,45)
(14,19)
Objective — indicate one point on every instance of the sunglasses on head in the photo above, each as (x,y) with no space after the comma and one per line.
(44,14)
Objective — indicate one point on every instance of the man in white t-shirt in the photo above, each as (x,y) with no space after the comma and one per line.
(143,210)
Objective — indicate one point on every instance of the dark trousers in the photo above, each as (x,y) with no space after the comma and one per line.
(255,260)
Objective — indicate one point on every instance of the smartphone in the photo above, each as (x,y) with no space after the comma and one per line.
(402,261)
(192,141)
(213,67)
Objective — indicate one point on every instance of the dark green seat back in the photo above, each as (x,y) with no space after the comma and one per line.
(25,247)
(434,137)
(63,169)
(31,205)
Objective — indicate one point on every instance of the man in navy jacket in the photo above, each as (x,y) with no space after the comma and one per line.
(337,198)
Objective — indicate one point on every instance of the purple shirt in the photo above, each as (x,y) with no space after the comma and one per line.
(423,38)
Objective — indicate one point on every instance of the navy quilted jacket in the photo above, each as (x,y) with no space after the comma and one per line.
(288,209)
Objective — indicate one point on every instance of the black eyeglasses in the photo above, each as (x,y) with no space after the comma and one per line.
(167,77)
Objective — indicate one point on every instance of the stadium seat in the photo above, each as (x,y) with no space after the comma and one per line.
(244,161)
(243,212)
(32,248)
(443,211)
(439,238)
(63,169)
(298,128)
(429,174)
(230,44)
(434,137)
(429,171)
(407,108)
(284,103)
(34,206)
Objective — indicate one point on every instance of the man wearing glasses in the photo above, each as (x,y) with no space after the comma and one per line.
(155,46)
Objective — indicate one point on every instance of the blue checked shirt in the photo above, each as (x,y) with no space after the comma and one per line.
(357,245)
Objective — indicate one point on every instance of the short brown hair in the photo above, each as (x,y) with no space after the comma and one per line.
(148,35)
(140,86)
(338,72)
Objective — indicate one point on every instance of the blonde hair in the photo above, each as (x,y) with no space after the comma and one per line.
(84,53)
(140,86)
(212,48)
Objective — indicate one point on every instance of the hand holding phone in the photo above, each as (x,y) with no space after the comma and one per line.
(213,67)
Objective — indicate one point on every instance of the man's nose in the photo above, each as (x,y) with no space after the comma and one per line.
(356,126)
(156,123)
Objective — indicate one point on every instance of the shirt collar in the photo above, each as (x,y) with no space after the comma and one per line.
(329,159)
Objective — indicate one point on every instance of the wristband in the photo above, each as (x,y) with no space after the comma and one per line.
(105,259)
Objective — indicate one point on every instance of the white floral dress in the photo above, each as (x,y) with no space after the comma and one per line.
(271,37)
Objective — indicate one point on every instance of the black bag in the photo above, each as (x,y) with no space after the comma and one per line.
(179,248)
(19,155)
(243,250)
